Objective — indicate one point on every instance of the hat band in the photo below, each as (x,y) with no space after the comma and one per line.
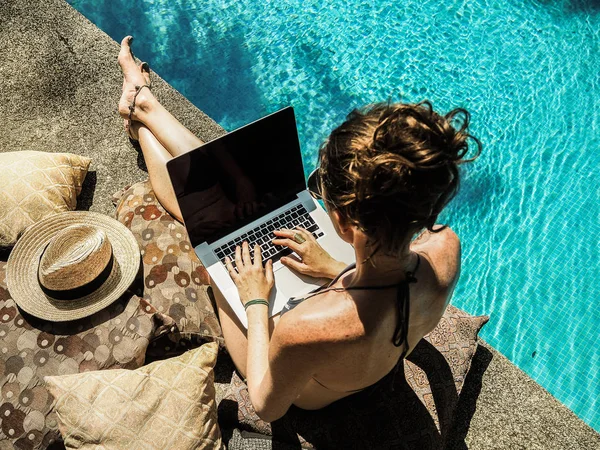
(81,291)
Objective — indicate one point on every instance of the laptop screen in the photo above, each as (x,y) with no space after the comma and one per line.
(239,177)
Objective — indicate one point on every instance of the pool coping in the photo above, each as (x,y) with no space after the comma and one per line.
(59,87)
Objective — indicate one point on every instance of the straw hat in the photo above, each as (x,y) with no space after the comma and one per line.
(71,265)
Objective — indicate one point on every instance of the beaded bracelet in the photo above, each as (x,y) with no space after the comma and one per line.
(258,301)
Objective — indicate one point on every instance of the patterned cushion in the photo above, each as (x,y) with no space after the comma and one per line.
(168,404)
(414,411)
(175,282)
(34,186)
(32,348)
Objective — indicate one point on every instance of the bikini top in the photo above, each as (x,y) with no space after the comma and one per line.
(402,303)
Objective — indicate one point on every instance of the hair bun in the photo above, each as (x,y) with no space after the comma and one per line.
(392,168)
(422,138)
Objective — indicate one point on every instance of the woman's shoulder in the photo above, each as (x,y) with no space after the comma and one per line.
(321,320)
(442,250)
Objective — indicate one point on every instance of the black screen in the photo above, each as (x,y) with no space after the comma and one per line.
(239,177)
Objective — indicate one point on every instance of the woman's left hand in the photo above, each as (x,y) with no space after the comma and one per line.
(252,280)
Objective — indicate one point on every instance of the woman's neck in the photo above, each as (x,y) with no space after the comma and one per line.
(380,269)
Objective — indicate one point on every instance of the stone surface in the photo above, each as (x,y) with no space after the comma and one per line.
(502,408)
(59,88)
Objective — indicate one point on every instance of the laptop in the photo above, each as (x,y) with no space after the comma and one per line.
(241,187)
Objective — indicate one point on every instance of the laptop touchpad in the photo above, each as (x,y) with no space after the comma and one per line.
(292,284)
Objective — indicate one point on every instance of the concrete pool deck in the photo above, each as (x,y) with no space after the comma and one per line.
(59,87)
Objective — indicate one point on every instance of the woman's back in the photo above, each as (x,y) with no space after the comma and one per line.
(355,327)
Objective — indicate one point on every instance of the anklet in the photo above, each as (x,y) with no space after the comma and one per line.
(137,91)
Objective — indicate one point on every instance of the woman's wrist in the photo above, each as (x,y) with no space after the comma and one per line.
(334,269)
(257,302)
(257,314)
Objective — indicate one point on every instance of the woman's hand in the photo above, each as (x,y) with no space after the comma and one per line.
(314,260)
(252,280)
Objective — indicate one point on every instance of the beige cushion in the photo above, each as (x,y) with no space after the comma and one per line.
(34,185)
(168,404)
(31,348)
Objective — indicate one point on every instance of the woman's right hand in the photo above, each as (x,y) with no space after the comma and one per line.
(314,260)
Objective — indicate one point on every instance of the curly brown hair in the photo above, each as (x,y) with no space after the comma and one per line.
(390,169)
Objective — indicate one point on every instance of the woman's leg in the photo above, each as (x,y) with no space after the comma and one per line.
(160,135)
(173,136)
(156,157)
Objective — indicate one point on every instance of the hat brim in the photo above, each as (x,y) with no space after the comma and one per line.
(22,267)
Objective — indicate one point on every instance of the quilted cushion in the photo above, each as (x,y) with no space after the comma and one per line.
(36,185)
(30,348)
(168,404)
(175,282)
(410,412)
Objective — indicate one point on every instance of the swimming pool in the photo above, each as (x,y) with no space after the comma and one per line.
(528,212)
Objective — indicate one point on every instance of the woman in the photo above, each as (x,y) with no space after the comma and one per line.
(384,176)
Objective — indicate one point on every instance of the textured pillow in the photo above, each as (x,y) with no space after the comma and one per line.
(35,185)
(414,411)
(168,404)
(31,349)
(175,282)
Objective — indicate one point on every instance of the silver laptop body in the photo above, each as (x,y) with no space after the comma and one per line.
(242,186)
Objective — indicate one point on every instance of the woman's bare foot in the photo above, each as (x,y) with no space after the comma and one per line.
(132,129)
(134,77)
(138,104)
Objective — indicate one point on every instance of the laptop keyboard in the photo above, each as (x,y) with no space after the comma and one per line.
(263,235)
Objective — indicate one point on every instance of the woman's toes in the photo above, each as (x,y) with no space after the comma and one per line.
(145,69)
(125,59)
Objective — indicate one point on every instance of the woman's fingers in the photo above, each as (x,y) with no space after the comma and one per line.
(257,256)
(294,263)
(290,233)
(307,234)
(230,269)
(238,257)
(293,245)
(287,239)
(246,254)
(284,233)
(269,272)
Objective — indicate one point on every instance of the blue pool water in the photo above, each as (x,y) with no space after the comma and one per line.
(528,70)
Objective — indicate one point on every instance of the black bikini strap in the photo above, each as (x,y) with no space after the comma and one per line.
(410,278)
(403,304)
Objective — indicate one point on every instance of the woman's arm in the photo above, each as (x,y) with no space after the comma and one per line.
(283,367)
(276,370)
